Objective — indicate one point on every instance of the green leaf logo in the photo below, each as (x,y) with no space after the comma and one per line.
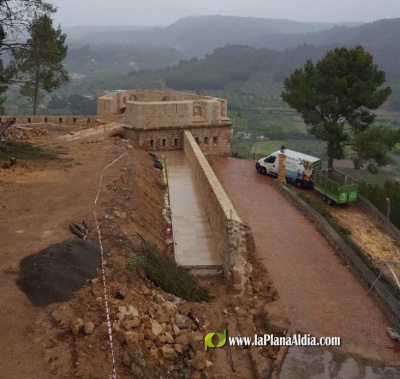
(208,340)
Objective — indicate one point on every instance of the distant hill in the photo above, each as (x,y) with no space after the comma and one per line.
(381,38)
(369,35)
(252,71)
(197,36)
(77,32)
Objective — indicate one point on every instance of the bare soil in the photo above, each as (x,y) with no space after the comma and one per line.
(363,230)
(38,202)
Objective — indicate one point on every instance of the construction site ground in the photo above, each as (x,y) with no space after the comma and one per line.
(38,202)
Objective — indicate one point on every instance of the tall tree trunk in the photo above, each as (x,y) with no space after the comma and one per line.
(36,91)
(330,162)
(330,149)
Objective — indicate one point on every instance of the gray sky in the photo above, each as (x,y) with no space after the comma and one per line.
(165,12)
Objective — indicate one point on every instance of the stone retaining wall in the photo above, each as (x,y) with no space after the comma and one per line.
(225,222)
(384,297)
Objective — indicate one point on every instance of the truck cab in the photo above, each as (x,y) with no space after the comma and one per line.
(268,165)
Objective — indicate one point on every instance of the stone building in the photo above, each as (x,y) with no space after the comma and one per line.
(156,120)
(153,120)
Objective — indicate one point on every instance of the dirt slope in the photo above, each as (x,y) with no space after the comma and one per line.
(38,201)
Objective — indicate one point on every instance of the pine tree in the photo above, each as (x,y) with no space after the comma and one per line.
(336,97)
(15,17)
(40,63)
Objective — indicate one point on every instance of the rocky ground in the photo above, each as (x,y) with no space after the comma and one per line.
(155,334)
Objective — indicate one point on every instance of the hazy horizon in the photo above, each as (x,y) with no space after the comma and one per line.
(161,13)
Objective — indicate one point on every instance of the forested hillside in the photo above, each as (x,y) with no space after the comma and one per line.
(197,36)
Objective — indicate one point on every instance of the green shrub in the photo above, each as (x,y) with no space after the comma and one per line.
(167,274)
(25,150)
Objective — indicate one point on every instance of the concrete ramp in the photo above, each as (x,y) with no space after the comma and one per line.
(195,246)
(102,130)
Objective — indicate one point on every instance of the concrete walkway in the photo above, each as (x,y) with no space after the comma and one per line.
(194,243)
(322,296)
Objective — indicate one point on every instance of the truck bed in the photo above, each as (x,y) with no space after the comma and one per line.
(336,186)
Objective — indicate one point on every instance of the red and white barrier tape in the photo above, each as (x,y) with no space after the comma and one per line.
(113,374)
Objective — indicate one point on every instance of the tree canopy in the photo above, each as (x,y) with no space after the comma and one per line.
(15,18)
(39,64)
(336,97)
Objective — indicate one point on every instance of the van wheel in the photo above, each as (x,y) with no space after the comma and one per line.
(299,184)
(263,170)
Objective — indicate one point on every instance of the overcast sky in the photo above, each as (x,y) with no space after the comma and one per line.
(165,12)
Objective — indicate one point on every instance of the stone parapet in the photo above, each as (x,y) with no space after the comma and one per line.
(69,120)
(225,222)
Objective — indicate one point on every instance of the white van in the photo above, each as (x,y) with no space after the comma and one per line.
(299,167)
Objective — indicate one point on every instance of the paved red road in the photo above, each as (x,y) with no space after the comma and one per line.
(322,296)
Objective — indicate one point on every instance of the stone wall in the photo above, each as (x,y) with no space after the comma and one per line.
(116,101)
(212,140)
(52,119)
(156,120)
(225,223)
(152,109)
(175,114)
(381,293)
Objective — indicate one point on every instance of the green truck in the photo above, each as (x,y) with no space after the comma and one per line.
(335,186)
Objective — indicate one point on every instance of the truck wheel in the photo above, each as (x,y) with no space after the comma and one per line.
(324,198)
(299,184)
(329,201)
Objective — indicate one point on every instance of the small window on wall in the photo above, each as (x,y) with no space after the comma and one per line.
(124,99)
(165,98)
(223,109)
(176,141)
(88,120)
(206,140)
(197,111)
(45,119)
(74,119)
(151,144)
(163,142)
(60,120)
(197,140)
(29,120)
(215,140)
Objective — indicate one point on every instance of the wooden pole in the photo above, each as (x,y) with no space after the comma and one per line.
(387,207)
